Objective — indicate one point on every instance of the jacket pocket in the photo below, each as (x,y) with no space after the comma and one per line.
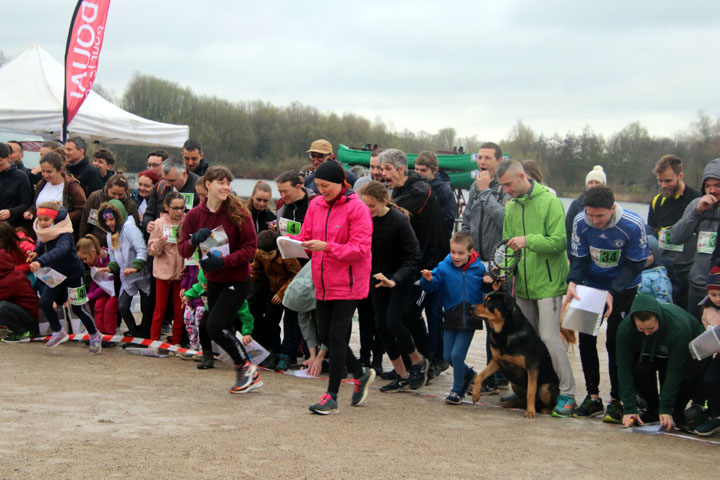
(350,277)
(547,264)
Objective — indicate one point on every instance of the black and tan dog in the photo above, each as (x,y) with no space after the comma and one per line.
(518,351)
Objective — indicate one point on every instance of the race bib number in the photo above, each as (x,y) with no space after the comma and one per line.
(605,258)
(666,244)
(77,296)
(170,231)
(290,227)
(706,242)
(194,260)
(93,218)
(189,200)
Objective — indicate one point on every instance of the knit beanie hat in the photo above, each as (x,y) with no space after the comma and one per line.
(713,281)
(330,171)
(597,174)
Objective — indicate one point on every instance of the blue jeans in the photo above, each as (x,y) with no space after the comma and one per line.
(457,343)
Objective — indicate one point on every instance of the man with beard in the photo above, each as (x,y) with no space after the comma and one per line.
(375,170)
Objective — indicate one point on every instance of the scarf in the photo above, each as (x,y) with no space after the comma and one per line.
(52,232)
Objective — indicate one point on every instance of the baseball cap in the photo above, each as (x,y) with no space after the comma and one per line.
(321,146)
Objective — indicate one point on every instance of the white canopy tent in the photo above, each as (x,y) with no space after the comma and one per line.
(31,101)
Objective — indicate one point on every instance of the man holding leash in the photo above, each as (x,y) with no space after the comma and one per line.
(608,251)
(535,223)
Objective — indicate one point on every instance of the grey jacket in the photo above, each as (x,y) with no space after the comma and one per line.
(483,217)
(694,222)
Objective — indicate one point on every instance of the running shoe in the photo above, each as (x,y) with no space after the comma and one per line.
(362,385)
(419,374)
(564,407)
(325,406)
(397,385)
(708,427)
(57,338)
(17,338)
(96,343)
(453,398)
(613,412)
(589,408)
(246,379)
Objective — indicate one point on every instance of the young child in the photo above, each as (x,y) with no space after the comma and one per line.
(656,276)
(711,378)
(19,246)
(128,255)
(168,266)
(56,249)
(194,308)
(244,321)
(269,264)
(459,278)
(105,306)
(18,302)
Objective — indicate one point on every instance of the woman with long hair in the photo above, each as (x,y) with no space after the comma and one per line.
(227,268)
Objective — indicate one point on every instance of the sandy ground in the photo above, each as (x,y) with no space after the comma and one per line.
(67,414)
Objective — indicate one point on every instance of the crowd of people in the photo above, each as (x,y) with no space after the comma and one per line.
(206,267)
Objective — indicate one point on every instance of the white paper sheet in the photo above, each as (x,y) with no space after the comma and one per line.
(291,248)
(49,277)
(255,351)
(591,299)
(106,281)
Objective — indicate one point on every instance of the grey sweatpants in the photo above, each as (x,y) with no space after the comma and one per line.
(544,315)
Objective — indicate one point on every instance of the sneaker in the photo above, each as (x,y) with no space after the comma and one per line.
(96,343)
(398,385)
(389,375)
(207,361)
(453,398)
(470,376)
(589,408)
(419,374)
(694,416)
(17,338)
(283,363)
(246,378)
(564,408)
(489,388)
(708,427)
(361,386)
(613,412)
(325,406)
(57,338)
(509,398)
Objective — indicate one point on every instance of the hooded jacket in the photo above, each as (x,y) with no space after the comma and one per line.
(702,226)
(56,247)
(483,217)
(296,211)
(445,198)
(92,203)
(131,251)
(539,217)
(15,287)
(342,270)
(202,167)
(577,206)
(279,271)
(15,193)
(417,197)
(167,265)
(656,277)
(87,175)
(675,331)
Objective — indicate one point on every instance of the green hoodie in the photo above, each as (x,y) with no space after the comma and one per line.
(197,291)
(538,216)
(675,331)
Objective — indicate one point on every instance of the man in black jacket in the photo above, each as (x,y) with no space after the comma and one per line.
(175,177)
(80,167)
(194,157)
(15,191)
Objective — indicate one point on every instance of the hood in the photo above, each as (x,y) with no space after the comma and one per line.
(6,263)
(118,209)
(535,190)
(712,170)
(654,247)
(440,177)
(613,221)
(644,302)
(201,276)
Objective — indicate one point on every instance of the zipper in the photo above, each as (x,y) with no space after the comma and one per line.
(463,299)
(524,257)
(350,276)
(547,264)
(322,262)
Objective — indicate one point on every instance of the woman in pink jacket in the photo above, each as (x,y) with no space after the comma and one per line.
(338,231)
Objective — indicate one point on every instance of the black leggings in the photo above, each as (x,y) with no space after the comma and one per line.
(390,303)
(415,323)
(334,318)
(588,347)
(224,301)
(58,295)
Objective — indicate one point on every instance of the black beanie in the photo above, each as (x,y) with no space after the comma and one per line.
(330,171)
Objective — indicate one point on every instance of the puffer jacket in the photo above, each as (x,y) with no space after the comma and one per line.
(168,264)
(539,217)
(676,329)
(58,250)
(342,270)
(700,225)
(483,217)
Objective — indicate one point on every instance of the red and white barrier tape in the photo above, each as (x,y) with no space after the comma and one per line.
(128,340)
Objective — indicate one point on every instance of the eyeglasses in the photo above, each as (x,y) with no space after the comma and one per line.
(153,165)
(317,155)
(177,208)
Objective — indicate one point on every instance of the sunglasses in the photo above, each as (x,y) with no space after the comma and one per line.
(316,155)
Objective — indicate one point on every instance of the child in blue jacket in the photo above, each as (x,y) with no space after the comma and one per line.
(459,278)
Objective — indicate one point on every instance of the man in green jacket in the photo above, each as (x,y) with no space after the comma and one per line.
(535,223)
(654,337)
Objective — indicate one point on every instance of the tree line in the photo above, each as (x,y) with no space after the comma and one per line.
(257,139)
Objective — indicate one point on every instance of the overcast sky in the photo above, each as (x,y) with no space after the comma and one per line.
(477,66)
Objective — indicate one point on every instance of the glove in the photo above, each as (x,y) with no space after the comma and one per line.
(200,236)
(211,262)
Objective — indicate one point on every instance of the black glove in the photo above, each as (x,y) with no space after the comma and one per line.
(200,236)
(211,262)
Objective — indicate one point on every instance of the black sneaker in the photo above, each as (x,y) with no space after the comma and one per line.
(468,382)
(613,412)
(361,386)
(419,374)
(489,388)
(694,416)
(397,385)
(389,375)
(589,408)
(650,415)
(708,427)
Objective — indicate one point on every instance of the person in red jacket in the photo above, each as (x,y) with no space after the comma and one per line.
(226,266)
(338,230)
(18,245)
(18,302)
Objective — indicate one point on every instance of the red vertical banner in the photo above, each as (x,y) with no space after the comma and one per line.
(87,30)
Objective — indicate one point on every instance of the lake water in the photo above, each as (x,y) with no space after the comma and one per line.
(244,187)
